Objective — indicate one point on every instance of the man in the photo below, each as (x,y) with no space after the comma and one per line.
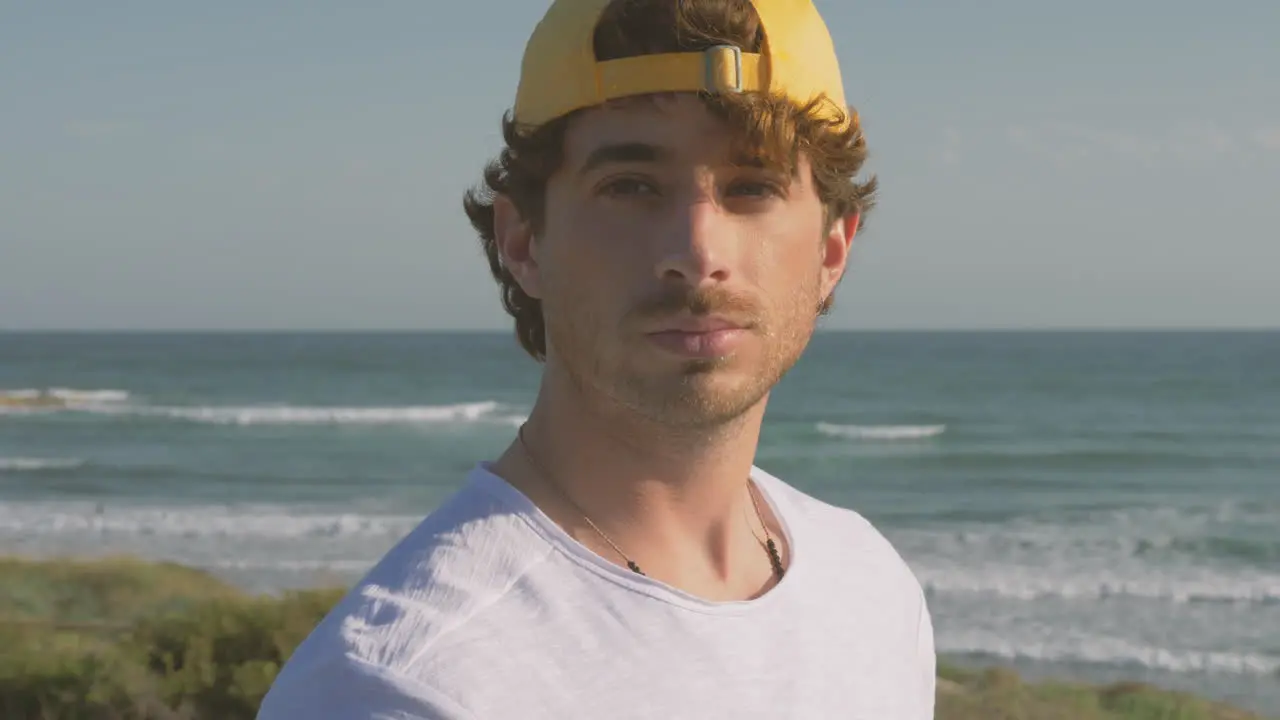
(672,213)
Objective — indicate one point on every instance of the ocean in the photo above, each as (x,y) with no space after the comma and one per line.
(1097,506)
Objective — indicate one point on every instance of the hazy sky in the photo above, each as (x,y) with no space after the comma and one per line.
(244,164)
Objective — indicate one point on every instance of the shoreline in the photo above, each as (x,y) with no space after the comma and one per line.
(63,613)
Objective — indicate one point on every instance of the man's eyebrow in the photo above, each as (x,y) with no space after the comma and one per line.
(748,160)
(632,152)
(639,152)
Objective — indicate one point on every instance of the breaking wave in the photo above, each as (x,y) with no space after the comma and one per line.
(881,432)
(1105,650)
(24,464)
(115,403)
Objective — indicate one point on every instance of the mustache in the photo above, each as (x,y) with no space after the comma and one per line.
(676,300)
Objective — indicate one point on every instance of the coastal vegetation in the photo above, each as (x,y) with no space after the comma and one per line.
(123,639)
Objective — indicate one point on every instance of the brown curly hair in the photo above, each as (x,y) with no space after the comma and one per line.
(771,127)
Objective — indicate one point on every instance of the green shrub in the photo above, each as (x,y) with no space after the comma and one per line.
(218,660)
(126,640)
(51,675)
(113,590)
(999,694)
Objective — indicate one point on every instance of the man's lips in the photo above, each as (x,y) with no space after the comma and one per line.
(699,337)
(698,324)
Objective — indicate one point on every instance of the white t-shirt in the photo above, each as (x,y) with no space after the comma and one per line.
(489,610)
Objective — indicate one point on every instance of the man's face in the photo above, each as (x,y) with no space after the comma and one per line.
(676,279)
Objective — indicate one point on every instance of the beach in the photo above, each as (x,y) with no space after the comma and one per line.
(1098,508)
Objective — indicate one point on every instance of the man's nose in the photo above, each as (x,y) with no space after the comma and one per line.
(698,244)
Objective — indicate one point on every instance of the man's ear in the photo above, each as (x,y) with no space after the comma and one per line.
(836,249)
(514,238)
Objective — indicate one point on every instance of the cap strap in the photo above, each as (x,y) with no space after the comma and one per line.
(720,69)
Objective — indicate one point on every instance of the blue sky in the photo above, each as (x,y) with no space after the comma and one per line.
(299,164)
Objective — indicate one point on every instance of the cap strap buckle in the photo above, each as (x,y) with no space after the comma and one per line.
(723,68)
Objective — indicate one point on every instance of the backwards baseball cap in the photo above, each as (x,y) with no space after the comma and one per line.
(560,73)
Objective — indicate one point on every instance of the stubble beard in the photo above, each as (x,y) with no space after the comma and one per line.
(696,396)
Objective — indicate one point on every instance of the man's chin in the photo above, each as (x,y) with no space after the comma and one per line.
(705,393)
(705,367)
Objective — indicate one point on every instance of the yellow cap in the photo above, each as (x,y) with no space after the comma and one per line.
(560,73)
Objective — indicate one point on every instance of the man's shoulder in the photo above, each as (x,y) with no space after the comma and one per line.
(463,558)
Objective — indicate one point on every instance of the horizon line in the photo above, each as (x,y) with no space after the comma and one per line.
(494,331)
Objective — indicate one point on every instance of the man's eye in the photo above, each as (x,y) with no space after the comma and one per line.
(754,188)
(628,187)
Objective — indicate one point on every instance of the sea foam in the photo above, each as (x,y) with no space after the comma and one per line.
(1102,650)
(26,464)
(112,403)
(881,432)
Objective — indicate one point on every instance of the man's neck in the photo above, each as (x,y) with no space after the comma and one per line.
(675,501)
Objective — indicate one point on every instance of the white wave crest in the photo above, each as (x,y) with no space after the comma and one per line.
(335,566)
(298,415)
(264,547)
(31,520)
(512,420)
(1104,650)
(881,432)
(89,396)
(1061,580)
(23,464)
(484,411)
(116,403)
(1095,556)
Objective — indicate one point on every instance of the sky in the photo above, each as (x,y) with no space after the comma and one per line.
(300,165)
